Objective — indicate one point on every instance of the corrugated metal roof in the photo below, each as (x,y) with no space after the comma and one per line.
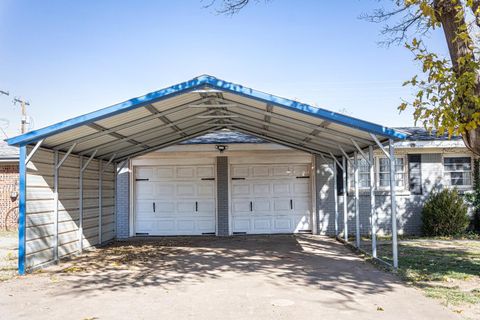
(203,105)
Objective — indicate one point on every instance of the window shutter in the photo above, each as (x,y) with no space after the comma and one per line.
(340,189)
(415,173)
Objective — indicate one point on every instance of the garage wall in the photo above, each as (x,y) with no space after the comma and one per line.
(41,223)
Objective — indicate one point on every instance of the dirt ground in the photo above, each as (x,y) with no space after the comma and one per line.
(8,254)
(261,277)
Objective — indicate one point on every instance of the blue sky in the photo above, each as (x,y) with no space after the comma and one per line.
(71,57)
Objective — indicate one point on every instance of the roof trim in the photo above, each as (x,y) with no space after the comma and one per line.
(198,82)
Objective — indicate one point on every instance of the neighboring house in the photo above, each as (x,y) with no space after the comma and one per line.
(8,186)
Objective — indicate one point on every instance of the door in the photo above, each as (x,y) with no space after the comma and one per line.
(269,199)
(175,200)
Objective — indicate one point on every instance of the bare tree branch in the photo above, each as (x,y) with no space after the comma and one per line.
(230,7)
(408,21)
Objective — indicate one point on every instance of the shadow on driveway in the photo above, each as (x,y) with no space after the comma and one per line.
(284,260)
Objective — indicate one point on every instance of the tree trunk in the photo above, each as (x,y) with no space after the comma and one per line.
(447,14)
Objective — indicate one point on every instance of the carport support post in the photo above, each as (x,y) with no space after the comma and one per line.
(373,211)
(80,205)
(357,209)
(335,196)
(393,203)
(345,199)
(100,182)
(55,206)
(22,209)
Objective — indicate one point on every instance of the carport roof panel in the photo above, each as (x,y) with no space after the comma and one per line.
(200,83)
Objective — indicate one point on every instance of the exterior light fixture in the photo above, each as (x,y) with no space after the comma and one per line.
(221,148)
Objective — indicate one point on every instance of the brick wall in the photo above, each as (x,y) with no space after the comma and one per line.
(222,196)
(123,203)
(409,206)
(8,184)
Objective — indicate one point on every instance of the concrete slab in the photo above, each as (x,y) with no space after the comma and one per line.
(258,277)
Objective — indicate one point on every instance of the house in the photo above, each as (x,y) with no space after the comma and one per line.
(210,157)
(8,186)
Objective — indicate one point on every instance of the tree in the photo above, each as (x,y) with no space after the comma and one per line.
(447,94)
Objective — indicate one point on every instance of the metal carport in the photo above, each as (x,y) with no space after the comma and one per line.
(92,147)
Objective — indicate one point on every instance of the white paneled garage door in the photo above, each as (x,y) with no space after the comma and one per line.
(272,198)
(175,200)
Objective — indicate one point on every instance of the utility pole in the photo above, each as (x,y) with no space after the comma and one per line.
(23,104)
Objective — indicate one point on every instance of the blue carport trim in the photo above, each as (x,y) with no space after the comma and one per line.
(22,210)
(196,83)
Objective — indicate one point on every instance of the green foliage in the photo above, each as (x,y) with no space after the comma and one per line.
(474,197)
(445,214)
(446,95)
(445,99)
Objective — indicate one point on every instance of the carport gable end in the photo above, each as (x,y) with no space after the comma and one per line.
(204,81)
(195,85)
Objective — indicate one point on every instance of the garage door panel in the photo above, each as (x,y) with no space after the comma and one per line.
(144,173)
(281,171)
(301,188)
(164,190)
(206,208)
(144,206)
(281,206)
(186,207)
(186,225)
(280,188)
(241,225)
(301,170)
(206,225)
(206,189)
(283,224)
(240,171)
(241,206)
(240,189)
(262,225)
(271,199)
(164,207)
(185,190)
(264,205)
(165,173)
(205,172)
(262,189)
(184,203)
(165,225)
(185,172)
(301,205)
(302,223)
(260,171)
(145,191)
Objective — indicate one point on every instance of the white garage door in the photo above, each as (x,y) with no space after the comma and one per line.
(175,200)
(271,198)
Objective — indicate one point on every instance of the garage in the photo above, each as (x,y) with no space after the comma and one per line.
(275,166)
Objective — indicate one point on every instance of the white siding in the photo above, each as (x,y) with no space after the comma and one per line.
(40,204)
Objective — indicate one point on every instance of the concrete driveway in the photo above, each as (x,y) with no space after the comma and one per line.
(260,277)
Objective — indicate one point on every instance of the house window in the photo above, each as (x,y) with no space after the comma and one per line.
(384,172)
(458,171)
(363,174)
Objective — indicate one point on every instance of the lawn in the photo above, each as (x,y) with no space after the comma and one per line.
(448,270)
